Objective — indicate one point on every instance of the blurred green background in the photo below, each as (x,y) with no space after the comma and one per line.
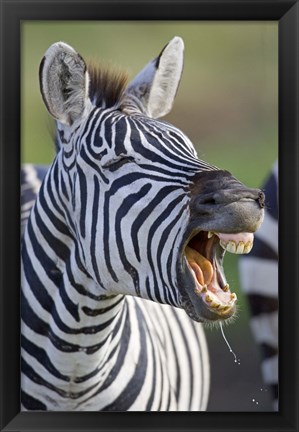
(227,104)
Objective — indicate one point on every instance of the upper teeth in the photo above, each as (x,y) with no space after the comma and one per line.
(234,247)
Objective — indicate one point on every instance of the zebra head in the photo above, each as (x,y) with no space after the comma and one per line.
(147,216)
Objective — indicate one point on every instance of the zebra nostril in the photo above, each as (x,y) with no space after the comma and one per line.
(203,205)
(206,199)
(209,200)
(261,199)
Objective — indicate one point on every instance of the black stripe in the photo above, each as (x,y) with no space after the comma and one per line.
(149,154)
(83,199)
(78,287)
(107,131)
(154,375)
(49,187)
(96,312)
(202,365)
(106,234)
(61,136)
(171,206)
(99,117)
(45,299)
(168,401)
(128,396)
(93,233)
(123,349)
(92,118)
(159,337)
(74,202)
(271,192)
(189,356)
(174,292)
(42,357)
(145,213)
(161,247)
(58,224)
(169,176)
(92,165)
(52,271)
(260,304)
(155,132)
(62,183)
(35,377)
(262,250)
(120,214)
(68,155)
(176,358)
(31,404)
(53,274)
(54,178)
(162,378)
(35,283)
(268,351)
(120,132)
(147,286)
(41,327)
(115,331)
(72,308)
(54,243)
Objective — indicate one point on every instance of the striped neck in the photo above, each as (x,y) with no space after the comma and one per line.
(63,309)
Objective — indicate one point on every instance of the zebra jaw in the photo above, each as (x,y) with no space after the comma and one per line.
(204,254)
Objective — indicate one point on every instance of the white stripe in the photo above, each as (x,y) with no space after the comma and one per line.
(259,276)
(275,171)
(27,205)
(265,328)
(31,177)
(270,370)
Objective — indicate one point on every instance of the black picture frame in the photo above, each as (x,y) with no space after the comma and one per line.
(12,12)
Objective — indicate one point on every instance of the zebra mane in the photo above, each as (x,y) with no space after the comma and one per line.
(107,84)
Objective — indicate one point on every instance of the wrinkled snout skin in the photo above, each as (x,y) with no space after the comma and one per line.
(223,204)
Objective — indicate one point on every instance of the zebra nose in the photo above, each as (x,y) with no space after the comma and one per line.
(205,203)
(261,199)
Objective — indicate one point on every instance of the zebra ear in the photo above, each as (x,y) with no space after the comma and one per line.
(153,90)
(64,82)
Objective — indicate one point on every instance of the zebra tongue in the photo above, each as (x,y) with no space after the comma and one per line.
(200,265)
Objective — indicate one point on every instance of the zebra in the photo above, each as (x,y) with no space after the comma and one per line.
(31,179)
(122,253)
(259,279)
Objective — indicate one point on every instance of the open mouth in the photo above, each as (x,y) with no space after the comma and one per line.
(204,253)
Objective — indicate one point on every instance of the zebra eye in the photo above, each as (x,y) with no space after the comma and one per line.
(117,163)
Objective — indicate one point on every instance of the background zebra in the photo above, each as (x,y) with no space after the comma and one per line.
(31,180)
(259,276)
(126,208)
